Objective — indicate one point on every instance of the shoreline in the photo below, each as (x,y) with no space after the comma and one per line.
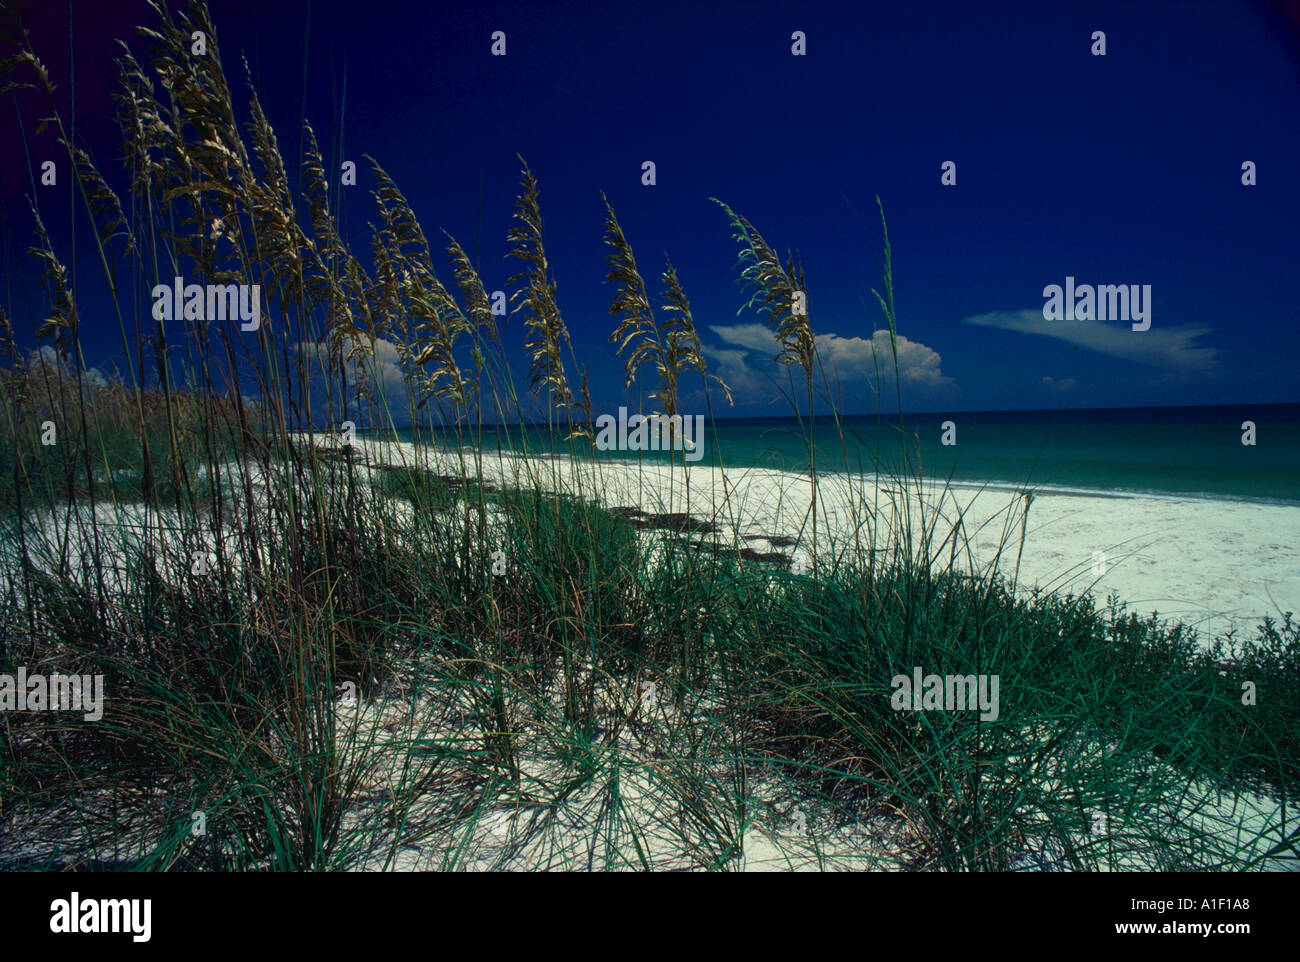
(1214,565)
(654,459)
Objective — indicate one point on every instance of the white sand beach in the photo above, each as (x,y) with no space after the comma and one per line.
(1214,565)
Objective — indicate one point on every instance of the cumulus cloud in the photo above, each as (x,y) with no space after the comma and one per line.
(753,346)
(1172,348)
(746,384)
(386,369)
(1064,384)
(752,337)
(47,356)
(856,356)
(383,372)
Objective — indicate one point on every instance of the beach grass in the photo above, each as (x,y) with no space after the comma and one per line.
(325,650)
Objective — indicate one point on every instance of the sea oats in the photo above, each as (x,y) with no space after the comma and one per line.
(61,323)
(439,321)
(781,291)
(671,344)
(777,288)
(680,332)
(548,336)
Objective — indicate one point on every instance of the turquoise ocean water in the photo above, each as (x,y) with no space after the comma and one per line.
(1173,451)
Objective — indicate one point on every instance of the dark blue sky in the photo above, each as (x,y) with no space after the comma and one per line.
(1122,169)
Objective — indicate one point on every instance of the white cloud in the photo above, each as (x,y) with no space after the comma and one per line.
(1065,384)
(747,385)
(383,370)
(846,359)
(1175,348)
(386,368)
(47,356)
(855,357)
(753,337)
